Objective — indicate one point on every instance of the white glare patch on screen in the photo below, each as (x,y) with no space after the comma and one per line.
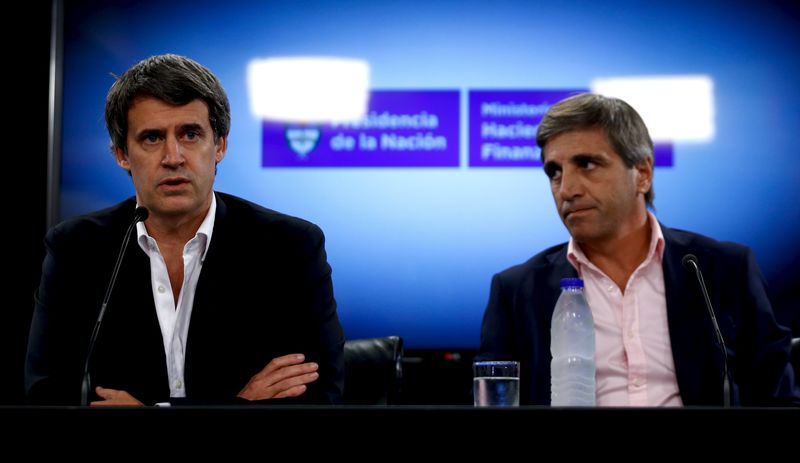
(675,108)
(308,90)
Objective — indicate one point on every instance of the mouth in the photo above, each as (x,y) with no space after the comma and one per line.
(576,212)
(173,183)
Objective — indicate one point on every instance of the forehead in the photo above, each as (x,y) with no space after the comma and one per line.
(151,112)
(588,141)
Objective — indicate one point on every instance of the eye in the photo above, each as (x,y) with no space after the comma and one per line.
(587,164)
(552,171)
(150,138)
(191,135)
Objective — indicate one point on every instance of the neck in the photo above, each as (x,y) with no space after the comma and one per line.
(620,255)
(171,230)
(176,228)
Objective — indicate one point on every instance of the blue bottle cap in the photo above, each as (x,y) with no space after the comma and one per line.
(571,283)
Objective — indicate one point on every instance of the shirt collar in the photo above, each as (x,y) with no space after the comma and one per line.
(204,231)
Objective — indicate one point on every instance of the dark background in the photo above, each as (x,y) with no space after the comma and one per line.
(431,376)
(26,63)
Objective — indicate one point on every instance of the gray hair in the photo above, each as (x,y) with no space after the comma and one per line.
(623,126)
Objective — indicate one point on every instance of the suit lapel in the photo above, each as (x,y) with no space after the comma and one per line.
(684,318)
(204,328)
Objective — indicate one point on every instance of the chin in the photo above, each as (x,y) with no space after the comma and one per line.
(174,208)
(580,233)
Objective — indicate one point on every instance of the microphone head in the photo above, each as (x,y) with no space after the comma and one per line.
(688,260)
(141,214)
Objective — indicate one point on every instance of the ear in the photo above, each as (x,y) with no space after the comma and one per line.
(644,175)
(122,159)
(222,147)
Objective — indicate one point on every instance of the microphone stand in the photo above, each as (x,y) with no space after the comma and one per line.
(140,214)
(690,261)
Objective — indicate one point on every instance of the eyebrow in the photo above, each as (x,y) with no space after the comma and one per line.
(189,126)
(551,165)
(577,158)
(193,126)
(144,133)
(587,157)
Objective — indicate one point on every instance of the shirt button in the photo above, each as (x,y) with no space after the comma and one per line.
(637,382)
(610,289)
(178,384)
(162,289)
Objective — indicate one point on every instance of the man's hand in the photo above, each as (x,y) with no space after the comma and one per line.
(285,376)
(114,397)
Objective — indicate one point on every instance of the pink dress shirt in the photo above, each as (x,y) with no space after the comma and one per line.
(632,345)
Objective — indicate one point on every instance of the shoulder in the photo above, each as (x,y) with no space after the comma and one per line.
(249,218)
(94,226)
(698,244)
(541,263)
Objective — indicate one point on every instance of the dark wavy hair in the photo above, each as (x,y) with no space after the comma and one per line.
(174,79)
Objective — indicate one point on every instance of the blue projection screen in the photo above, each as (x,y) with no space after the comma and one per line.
(414,243)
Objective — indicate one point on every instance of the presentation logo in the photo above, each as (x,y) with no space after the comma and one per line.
(422,128)
(302,139)
(402,128)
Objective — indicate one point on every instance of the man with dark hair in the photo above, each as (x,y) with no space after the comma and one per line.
(655,343)
(217,300)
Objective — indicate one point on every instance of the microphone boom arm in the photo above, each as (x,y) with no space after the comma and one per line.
(690,262)
(140,214)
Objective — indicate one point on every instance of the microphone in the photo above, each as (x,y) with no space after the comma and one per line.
(690,263)
(141,214)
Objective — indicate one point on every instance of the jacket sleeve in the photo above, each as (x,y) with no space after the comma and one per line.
(53,364)
(767,377)
(496,343)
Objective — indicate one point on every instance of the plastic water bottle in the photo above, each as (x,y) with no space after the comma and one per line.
(572,369)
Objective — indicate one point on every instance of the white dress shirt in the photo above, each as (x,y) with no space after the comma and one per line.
(174,321)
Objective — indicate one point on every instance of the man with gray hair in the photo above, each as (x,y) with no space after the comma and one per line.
(655,342)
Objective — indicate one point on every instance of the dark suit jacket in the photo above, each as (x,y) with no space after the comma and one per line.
(516,325)
(264,291)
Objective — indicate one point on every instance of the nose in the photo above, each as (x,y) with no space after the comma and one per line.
(570,185)
(173,152)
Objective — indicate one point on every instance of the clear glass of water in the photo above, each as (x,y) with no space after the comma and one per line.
(495,383)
